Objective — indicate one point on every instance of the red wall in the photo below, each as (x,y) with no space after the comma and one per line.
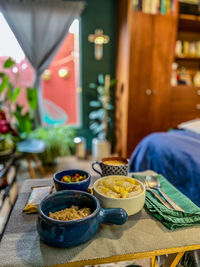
(61,91)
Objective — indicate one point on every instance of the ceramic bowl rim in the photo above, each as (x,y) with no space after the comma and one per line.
(126,163)
(119,199)
(72,221)
(74,183)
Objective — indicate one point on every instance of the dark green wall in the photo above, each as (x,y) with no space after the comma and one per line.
(98,14)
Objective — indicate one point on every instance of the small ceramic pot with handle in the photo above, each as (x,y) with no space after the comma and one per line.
(71,233)
(112,166)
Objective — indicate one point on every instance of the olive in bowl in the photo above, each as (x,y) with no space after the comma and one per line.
(72,180)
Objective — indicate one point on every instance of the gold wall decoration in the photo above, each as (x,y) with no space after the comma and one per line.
(46,75)
(63,73)
(99,39)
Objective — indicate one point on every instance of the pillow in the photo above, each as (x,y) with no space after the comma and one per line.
(193,125)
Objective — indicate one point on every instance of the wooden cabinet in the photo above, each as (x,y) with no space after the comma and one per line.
(144,56)
(184,104)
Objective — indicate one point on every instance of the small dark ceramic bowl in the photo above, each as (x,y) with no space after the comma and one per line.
(81,186)
(71,233)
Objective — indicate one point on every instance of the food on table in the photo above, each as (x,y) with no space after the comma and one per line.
(69,214)
(36,196)
(73,178)
(119,188)
(114,162)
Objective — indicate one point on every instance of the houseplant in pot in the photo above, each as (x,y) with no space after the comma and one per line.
(15,121)
(58,141)
(100,116)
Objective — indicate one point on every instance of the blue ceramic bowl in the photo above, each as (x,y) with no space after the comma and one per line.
(71,233)
(81,186)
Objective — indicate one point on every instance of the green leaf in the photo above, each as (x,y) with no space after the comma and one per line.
(31,94)
(109,107)
(99,129)
(4,83)
(2,74)
(24,122)
(9,93)
(8,63)
(113,82)
(92,85)
(18,111)
(94,125)
(97,114)
(95,104)
(101,79)
(102,99)
(102,135)
(101,90)
(15,94)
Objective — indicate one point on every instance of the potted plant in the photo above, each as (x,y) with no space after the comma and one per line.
(17,124)
(58,141)
(14,121)
(100,117)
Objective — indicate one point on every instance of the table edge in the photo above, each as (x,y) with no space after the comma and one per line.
(128,257)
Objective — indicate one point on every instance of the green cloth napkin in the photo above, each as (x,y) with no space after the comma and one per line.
(172,219)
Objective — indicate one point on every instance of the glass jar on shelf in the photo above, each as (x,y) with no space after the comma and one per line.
(196,79)
(174,81)
(179,48)
(184,77)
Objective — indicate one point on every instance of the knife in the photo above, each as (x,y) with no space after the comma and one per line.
(159,198)
(170,201)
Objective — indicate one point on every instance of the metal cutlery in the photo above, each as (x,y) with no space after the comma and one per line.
(159,198)
(153,183)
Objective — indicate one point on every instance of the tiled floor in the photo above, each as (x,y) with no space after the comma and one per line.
(61,164)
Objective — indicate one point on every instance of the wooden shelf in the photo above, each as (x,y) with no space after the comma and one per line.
(189,23)
(183,86)
(187,58)
(157,14)
(189,17)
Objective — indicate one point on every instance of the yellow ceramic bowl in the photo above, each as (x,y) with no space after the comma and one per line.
(132,205)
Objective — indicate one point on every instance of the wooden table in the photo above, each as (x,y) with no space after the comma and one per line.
(141,237)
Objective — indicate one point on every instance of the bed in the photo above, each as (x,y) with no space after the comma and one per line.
(174,154)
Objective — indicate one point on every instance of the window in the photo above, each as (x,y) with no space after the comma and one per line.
(60,82)
(22,73)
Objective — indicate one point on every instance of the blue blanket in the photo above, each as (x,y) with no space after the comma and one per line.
(175,155)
